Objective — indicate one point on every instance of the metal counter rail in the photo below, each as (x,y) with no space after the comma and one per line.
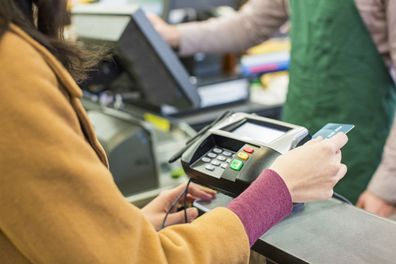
(326,232)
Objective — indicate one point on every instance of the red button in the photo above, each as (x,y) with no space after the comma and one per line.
(248,150)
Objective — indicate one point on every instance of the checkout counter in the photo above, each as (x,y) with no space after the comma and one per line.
(320,232)
(326,232)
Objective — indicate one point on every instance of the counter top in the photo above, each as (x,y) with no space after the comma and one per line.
(327,232)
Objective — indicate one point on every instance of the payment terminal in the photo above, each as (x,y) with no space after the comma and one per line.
(232,153)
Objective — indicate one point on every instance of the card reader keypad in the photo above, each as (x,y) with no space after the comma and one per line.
(217,158)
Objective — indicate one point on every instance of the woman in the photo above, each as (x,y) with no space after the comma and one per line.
(58,202)
(342,53)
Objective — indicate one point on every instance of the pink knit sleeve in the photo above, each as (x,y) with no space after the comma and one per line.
(266,202)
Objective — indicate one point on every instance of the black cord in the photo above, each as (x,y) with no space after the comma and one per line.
(185,201)
(176,202)
(171,209)
(341,198)
(206,128)
(190,142)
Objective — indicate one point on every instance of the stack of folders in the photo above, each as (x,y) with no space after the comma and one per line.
(271,56)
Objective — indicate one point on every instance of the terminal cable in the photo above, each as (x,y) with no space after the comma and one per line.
(185,201)
(181,196)
(341,198)
(198,135)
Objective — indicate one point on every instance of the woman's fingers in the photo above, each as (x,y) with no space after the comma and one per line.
(338,141)
(314,141)
(179,218)
(208,190)
(341,172)
(201,192)
(174,193)
(194,190)
(338,157)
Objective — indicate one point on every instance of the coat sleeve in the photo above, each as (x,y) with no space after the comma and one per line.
(58,202)
(254,23)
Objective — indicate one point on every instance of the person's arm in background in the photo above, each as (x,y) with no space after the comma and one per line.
(254,23)
(391,16)
(380,196)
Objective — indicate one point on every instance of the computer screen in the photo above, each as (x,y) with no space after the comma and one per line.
(142,53)
(159,72)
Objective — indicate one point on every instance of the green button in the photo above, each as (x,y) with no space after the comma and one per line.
(236,165)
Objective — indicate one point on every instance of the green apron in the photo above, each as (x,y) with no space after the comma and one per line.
(338,76)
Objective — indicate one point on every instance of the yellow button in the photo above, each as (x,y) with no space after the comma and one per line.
(243,156)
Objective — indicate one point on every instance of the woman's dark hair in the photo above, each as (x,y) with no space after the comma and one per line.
(44,21)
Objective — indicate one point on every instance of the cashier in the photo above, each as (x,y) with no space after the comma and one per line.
(342,54)
(58,201)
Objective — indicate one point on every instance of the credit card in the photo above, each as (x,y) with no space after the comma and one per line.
(332,129)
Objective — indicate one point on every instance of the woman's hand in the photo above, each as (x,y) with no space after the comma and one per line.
(156,210)
(168,32)
(374,204)
(311,171)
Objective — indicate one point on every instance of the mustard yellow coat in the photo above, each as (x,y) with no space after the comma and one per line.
(58,201)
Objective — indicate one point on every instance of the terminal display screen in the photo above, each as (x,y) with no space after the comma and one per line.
(258,132)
